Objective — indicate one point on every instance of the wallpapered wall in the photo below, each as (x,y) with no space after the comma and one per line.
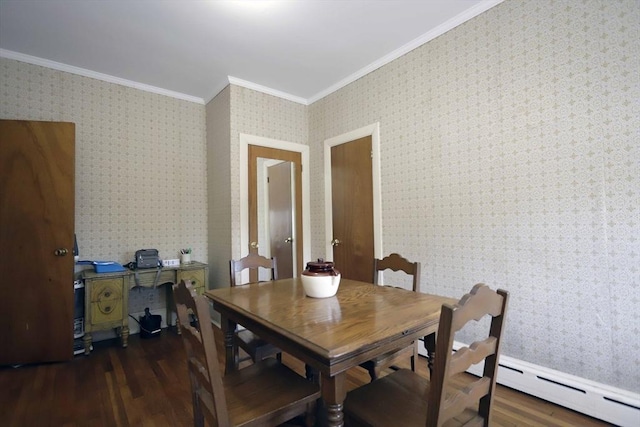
(140,163)
(510,156)
(218,187)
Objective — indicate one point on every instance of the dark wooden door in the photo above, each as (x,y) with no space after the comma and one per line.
(352,209)
(281,217)
(256,152)
(36,236)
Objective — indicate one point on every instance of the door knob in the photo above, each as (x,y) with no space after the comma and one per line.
(335,242)
(288,240)
(254,245)
(60,252)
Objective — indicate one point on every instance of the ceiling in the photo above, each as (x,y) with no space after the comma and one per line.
(297,49)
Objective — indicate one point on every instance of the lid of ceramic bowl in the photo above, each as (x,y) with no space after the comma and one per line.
(320,266)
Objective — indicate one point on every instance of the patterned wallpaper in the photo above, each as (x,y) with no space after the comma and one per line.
(140,163)
(510,156)
(219,185)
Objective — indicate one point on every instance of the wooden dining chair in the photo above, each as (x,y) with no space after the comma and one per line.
(253,345)
(404,398)
(394,262)
(266,393)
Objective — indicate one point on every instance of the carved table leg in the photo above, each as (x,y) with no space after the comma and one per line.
(171,307)
(231,350)
(430,345)
(333,394)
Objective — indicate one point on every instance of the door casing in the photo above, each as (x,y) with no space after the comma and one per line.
(372,130)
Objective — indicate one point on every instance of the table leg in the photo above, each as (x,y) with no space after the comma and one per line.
(171,307)
(333,394)
(231,350)
(430,345)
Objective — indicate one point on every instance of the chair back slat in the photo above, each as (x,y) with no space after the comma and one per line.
(252,262)
(467,356)
(396,262)
(204,369)
(474,306)
(465,398)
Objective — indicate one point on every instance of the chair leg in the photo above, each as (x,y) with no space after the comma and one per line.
(373,373)
(311,374)
(198,416)
(414,356)
(310,416)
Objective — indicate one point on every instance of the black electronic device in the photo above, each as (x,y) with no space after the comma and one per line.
(150,324)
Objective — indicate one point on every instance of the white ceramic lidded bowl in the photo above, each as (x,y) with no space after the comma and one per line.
(320,279)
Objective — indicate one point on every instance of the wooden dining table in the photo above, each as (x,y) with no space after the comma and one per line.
(331,334)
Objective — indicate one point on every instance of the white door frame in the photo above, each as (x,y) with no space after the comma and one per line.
(372,130)
(245,141)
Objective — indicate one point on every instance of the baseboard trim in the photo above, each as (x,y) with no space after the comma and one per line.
(601,401)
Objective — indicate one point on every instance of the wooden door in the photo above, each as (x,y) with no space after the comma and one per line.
(254,153)
(352,209)
(281,217)
(36,237)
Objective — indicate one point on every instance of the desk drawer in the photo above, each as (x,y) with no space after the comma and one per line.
(147,278)
(106,311)
(106,289)
(195,276)
(106,300)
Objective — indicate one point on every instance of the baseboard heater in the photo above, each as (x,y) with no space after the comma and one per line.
(597,400)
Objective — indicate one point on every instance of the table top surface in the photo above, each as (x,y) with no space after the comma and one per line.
(359,316)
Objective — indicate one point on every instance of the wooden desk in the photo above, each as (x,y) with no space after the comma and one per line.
(332,334)
(107,295)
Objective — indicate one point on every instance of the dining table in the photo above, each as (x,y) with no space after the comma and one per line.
(330,335)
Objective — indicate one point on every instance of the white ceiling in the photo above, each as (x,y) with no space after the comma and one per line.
(298,49)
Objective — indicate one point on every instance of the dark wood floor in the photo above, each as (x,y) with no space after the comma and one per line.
(147,385)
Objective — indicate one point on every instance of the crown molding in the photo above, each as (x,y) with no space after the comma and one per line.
(413,44)
(267,90)
(95,75)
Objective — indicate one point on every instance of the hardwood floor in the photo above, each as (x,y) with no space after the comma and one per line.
(147,385)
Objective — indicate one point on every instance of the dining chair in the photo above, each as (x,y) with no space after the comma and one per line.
(266,393)
(253,345)
(394,262)
(408,399)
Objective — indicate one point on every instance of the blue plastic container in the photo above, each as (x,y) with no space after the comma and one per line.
(107,266)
